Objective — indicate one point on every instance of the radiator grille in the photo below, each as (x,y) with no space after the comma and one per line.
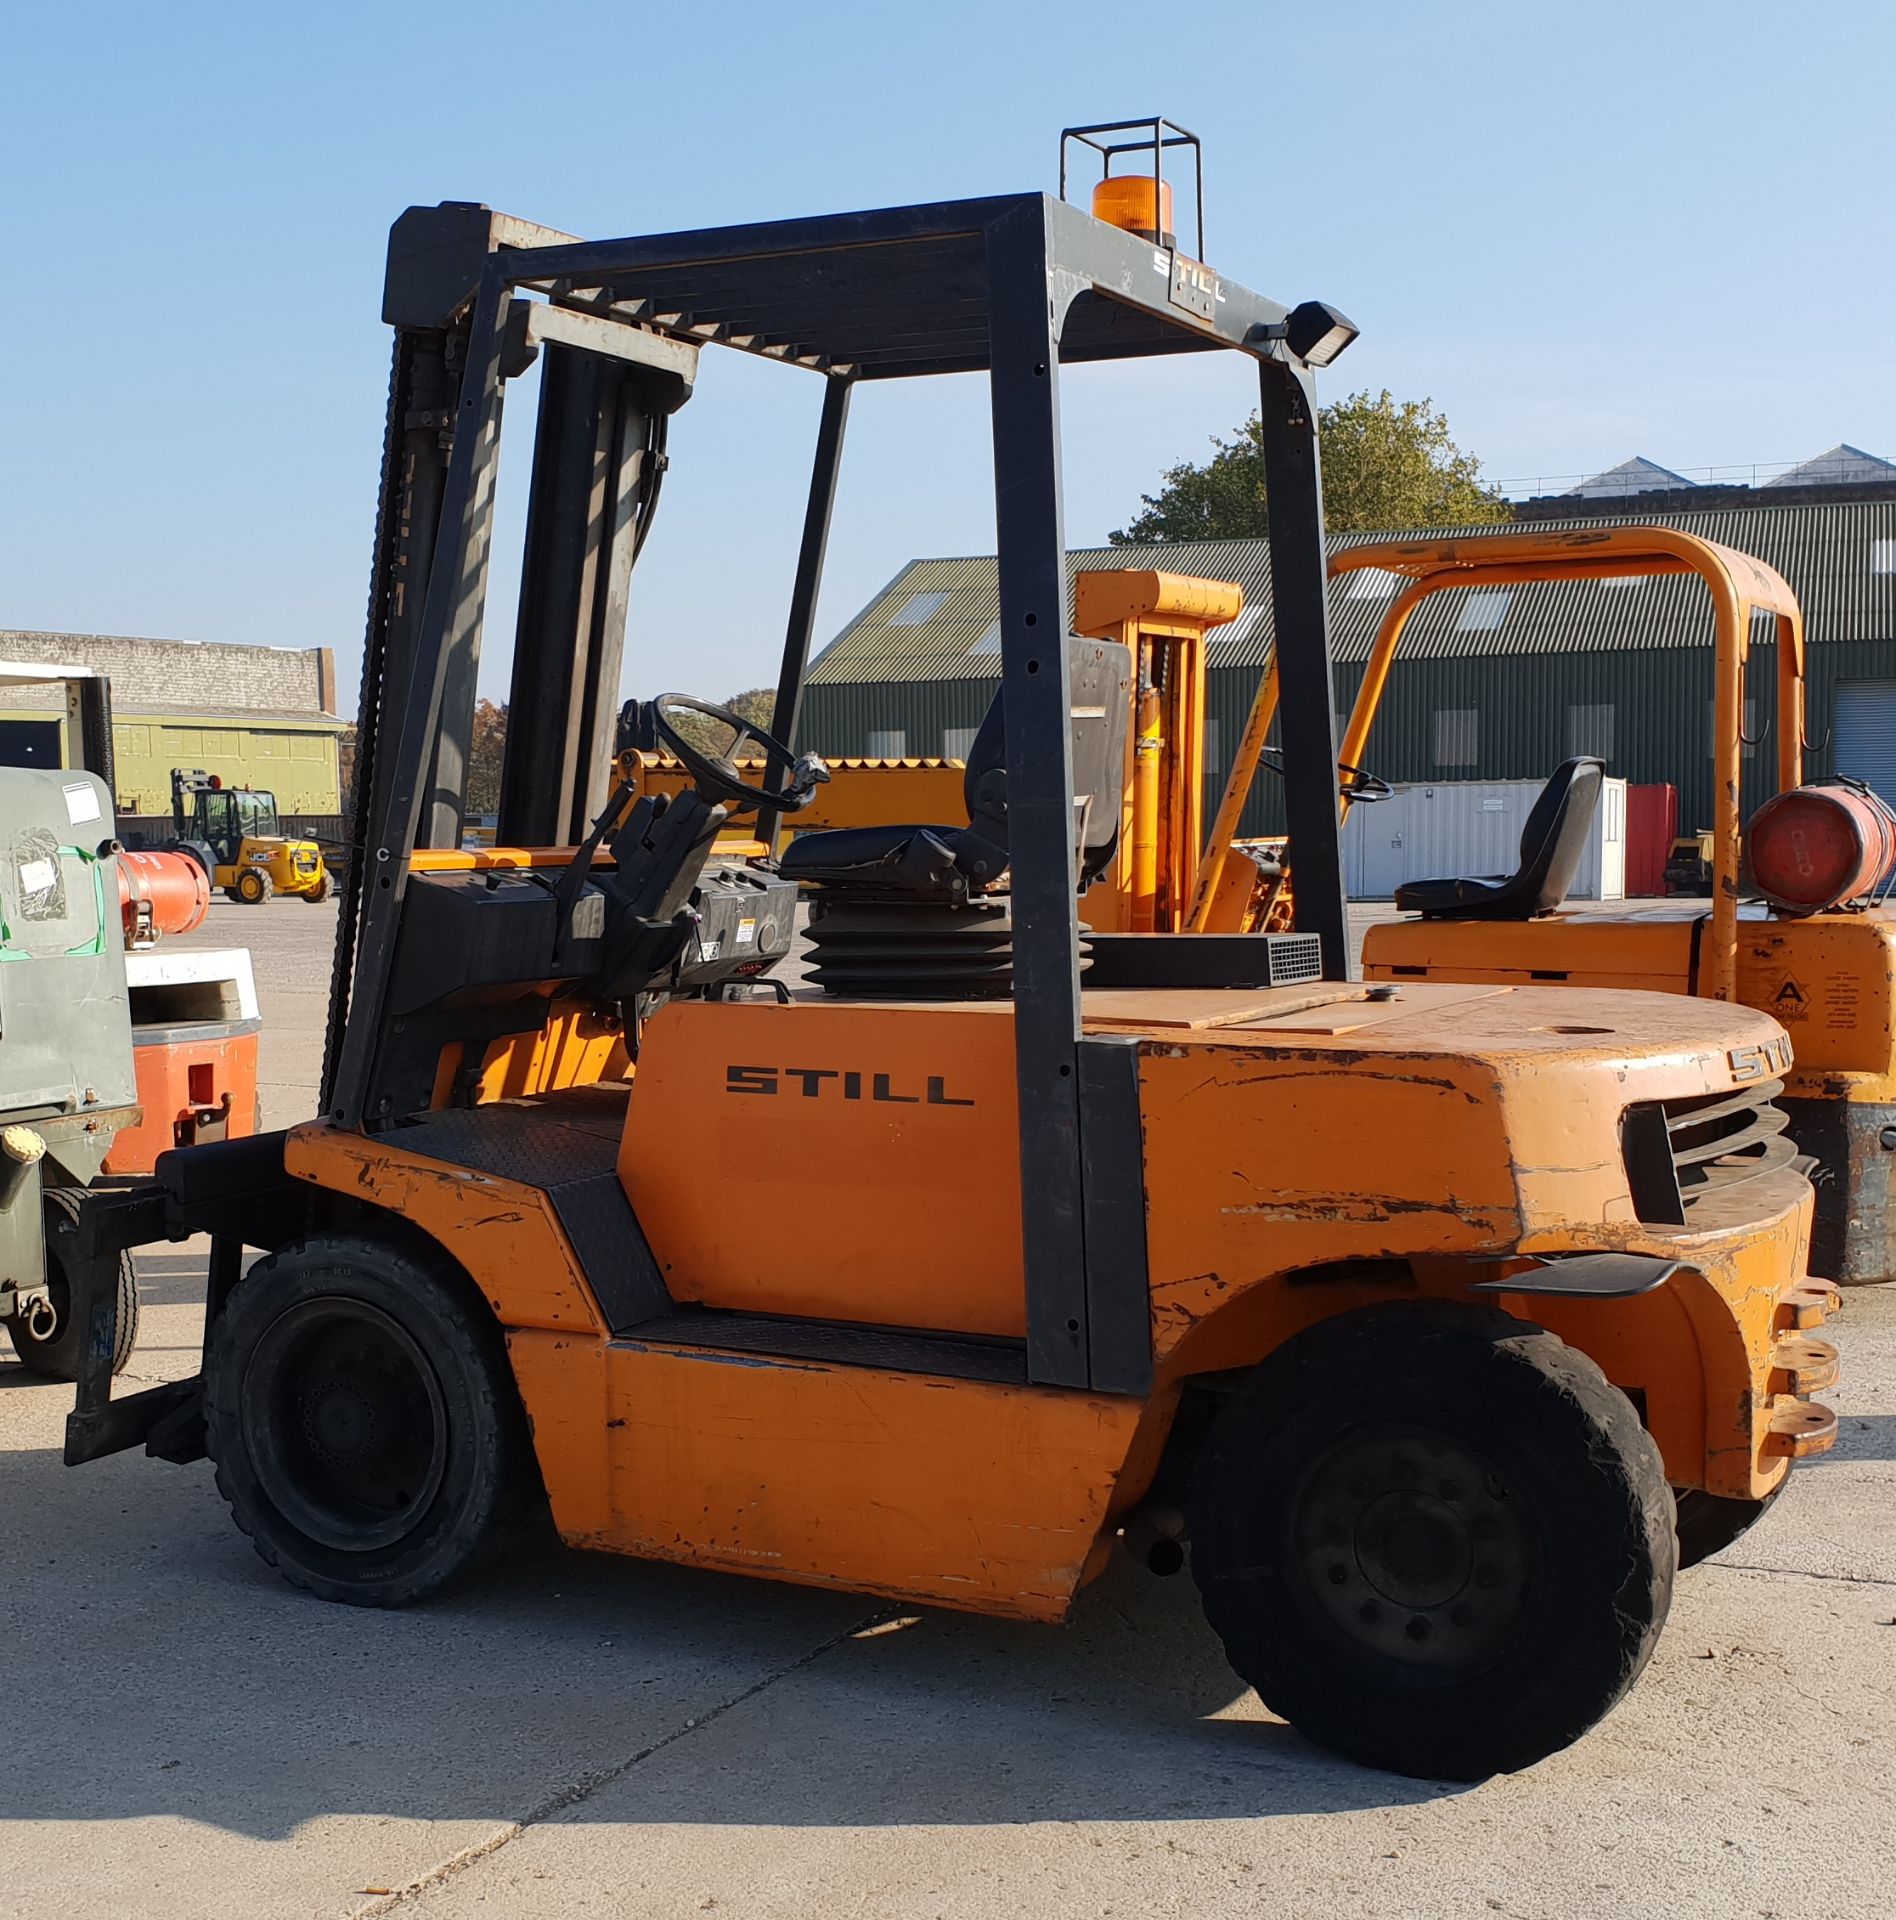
(1690,1159)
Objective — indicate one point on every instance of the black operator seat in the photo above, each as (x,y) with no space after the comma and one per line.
(945,864)
(1552,843)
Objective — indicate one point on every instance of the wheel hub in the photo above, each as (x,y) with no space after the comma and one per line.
(345,1423)
(1412,1547)
(339,1421)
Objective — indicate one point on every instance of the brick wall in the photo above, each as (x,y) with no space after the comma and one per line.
(181,675)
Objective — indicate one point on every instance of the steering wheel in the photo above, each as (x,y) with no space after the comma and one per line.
(1357,784)
(717,776)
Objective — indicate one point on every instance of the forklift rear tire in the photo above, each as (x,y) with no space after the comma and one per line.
(251,888)
(1434,1538)
(55,1354)
(363,1420)
(319,892)
(1709,1523)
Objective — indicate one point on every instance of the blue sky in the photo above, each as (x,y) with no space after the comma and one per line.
(1584,230)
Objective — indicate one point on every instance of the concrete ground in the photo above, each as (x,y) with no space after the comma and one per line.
(185,1735)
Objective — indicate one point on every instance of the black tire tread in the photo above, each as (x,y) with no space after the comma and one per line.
(58,1358)
(1379,1349)
(510,1495)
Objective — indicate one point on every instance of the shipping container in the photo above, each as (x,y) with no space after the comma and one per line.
(1652,824)
(1471,829)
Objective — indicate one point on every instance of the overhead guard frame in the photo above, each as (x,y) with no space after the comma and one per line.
(1014,286)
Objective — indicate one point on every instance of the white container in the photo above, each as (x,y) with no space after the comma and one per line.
(1471,829)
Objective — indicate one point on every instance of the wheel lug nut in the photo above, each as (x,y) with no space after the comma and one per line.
(1418,1628)
(1338,1574)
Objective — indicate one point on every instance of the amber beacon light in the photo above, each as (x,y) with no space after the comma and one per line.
(1141,202)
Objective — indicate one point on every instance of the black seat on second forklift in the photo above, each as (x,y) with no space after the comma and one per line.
(942,864)
(1552,843)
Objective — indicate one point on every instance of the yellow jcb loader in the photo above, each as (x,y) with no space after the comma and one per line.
(234,834)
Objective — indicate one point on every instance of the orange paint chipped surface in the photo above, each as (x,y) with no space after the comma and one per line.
(964,1493)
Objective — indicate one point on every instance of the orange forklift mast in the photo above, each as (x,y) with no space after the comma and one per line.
(1003,1236)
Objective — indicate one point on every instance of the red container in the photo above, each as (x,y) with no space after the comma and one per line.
(196,1082)
(161,892)
(1820,847)
(1652,824)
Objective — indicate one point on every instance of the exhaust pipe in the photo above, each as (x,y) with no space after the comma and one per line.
(1155,1537)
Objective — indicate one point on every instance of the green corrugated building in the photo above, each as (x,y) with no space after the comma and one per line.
(1491,684)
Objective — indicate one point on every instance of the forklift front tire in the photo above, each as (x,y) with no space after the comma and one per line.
(363,1421)
(251,888)
(54,1347)
(319,892)
(1434,1538)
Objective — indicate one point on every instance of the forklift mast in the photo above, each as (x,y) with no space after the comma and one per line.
(475,297)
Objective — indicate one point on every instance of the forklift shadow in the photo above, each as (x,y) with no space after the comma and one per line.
(916,1718)
(1861,1436)
(194,1684)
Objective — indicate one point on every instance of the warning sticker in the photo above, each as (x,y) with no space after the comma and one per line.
(1790,1002)
(82,801)
(746,932)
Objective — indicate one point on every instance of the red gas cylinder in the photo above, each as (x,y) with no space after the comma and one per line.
(161,893)
(1815,848)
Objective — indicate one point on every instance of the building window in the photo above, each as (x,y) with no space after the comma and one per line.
(1590,730)
(1374,583)
(888,744)
(918,609)
(1883,556)
(989,642)
(1484,612)
(957,742)
(1456,738)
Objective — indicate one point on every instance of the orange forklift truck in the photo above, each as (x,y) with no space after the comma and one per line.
(993,1244)
(1796,926)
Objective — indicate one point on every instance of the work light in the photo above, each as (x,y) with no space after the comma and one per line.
(1315,332)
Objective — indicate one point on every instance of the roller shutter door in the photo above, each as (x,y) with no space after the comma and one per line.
(1865,742)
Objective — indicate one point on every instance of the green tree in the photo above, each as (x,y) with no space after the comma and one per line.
(756,706)
(1386,463)
(486,750)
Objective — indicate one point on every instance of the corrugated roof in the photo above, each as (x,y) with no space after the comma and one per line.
(1827,553)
